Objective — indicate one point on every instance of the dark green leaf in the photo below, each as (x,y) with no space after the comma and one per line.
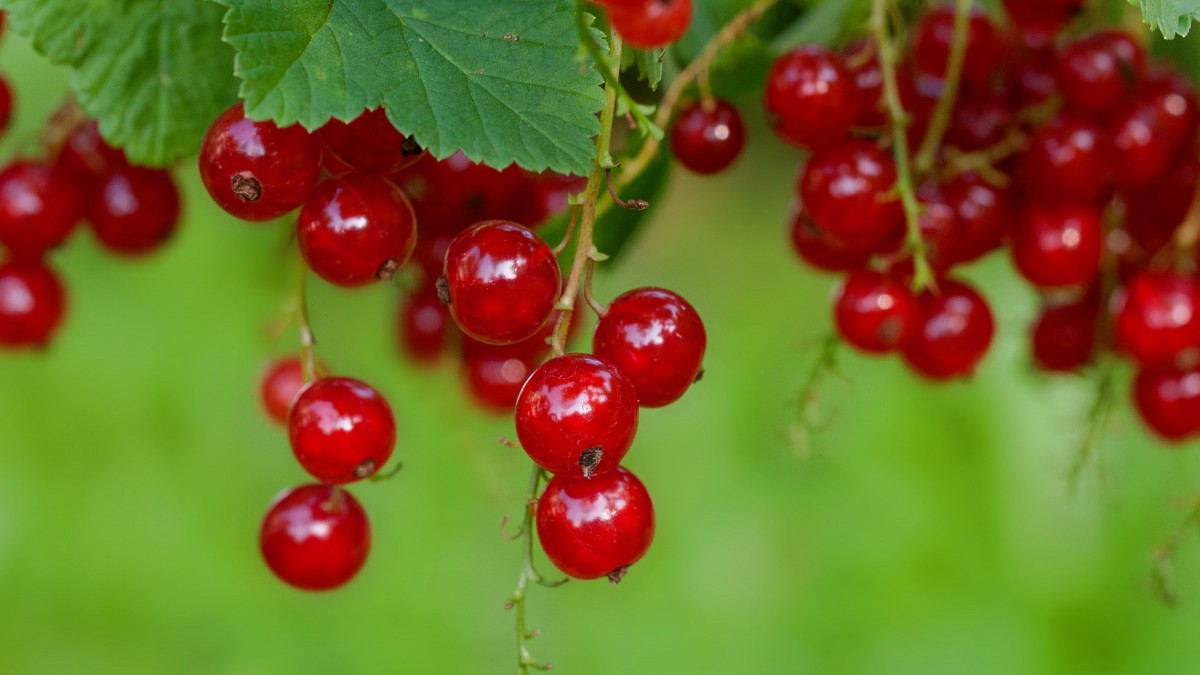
(499,79)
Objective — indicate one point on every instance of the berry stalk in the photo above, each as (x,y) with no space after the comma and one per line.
(940,120)
(516,601)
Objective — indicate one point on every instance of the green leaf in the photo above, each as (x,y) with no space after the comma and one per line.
(153,72)
(497,78)
(647,62)
(1170,17)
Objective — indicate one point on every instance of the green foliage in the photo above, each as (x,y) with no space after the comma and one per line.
(1170,17)
(154,73)
(497,78)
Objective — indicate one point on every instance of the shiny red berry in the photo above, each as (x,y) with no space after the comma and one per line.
(1042,15)
(820,250)
(40,205)
(495,373)
(935,33)
(862,63)
(1156,316)
(1067,160)
(1058,246)
(356,229)
(423,325)
(708,141)
(86,153)
(1098,72)
(32,303)
(656,339)
(452,194)
(256,170)
(1064,335)
(953,332)
(502,282)
(874,312)
(315,537)
(1168,401)
(847,190)
(597,527)
(369,143)
(281,383)
(1152,130)
(651,24)
(341,430)
(577,415)
(134,210)
(811,98)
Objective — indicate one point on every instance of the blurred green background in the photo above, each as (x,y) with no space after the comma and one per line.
(931,533)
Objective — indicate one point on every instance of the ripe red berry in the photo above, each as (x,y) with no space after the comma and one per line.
(341,430)
(1033,78)
(656,339)
(953,332)
(87,154)
(985,212)
(1168,401)
(847,191)
(1152,130)
(577,415)
(315,537)
(256,170)
(495,373)
(6,104)
(819,249)
(356,229)
(40,205)
(281,383)
(369,143)
(134,210)
(32,303)
(1153,212)
(1042,15)
(874,312)
(978,122)
(862,63)
(452,194)
(597,527)
(935,33)
(502,282)
(708,141)
(1064,335)
(423,325)
(653,23)
(1067,160)
(1098,72)
(811,99)
(1156,316)
(1058,246)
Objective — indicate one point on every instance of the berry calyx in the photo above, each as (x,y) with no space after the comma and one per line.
(708,141)
(341,430)
(597,527)
(315,537)
(32,303)
(577,415)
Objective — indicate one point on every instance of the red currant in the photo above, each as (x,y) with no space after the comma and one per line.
(810,99)
(1058,246)
(577,415)
(935,33)
(6,104)
(39,206)
(1067,160)
(652,24)
(341,430)
(1099,71)
(656,339)
(356,229)
(281,383)
(133,210)
(1156,316)
(862,63)
(315,537)
(1168,400)
(874,312)
(502,282)
(87,154)
(256,170)
(496,373)
(32,303)
(452,194)
(424,325)
(1064,335)
(953,332)
(369,143)
(819,249)
(708,141)
(598,527)
(1045,15)
(847,191)
(1150,132)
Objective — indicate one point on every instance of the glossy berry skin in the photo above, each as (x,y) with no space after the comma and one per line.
(424,326)
(656,339)
(495,374)
(453,194)
(315,537)
(985,213)
(874,312)
(1067,160)
(502,281)
(1100,71)
(32,303)
(134,210)
(810,98)
(846,189)
(356,229)
(369,143)
(1154,128)
(953,332)
(1156,316)
(40,205)
(708,142)
(1168,401)
(862,63)
(255,170)
(820,250)
(573,406)
(934,35)
(1060,246)
(652,24)
(87,154)
(281,383)
(341,430)
(598,527)
(1064,336)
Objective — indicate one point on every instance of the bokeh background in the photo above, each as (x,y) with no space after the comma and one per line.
(931,532)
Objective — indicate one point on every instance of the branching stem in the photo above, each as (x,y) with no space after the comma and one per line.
(1161,571)
(1098,416)
(308,360)
(807,420)
(516,601)
(940,119)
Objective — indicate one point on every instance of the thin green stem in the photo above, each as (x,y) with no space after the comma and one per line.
(529,573)
(1098,416)
(308,359)
(922,274)
(940,119)
(807,420)
(1162,569)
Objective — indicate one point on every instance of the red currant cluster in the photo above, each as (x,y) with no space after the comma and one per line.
(1072,152)
(132,211)
(649,24)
